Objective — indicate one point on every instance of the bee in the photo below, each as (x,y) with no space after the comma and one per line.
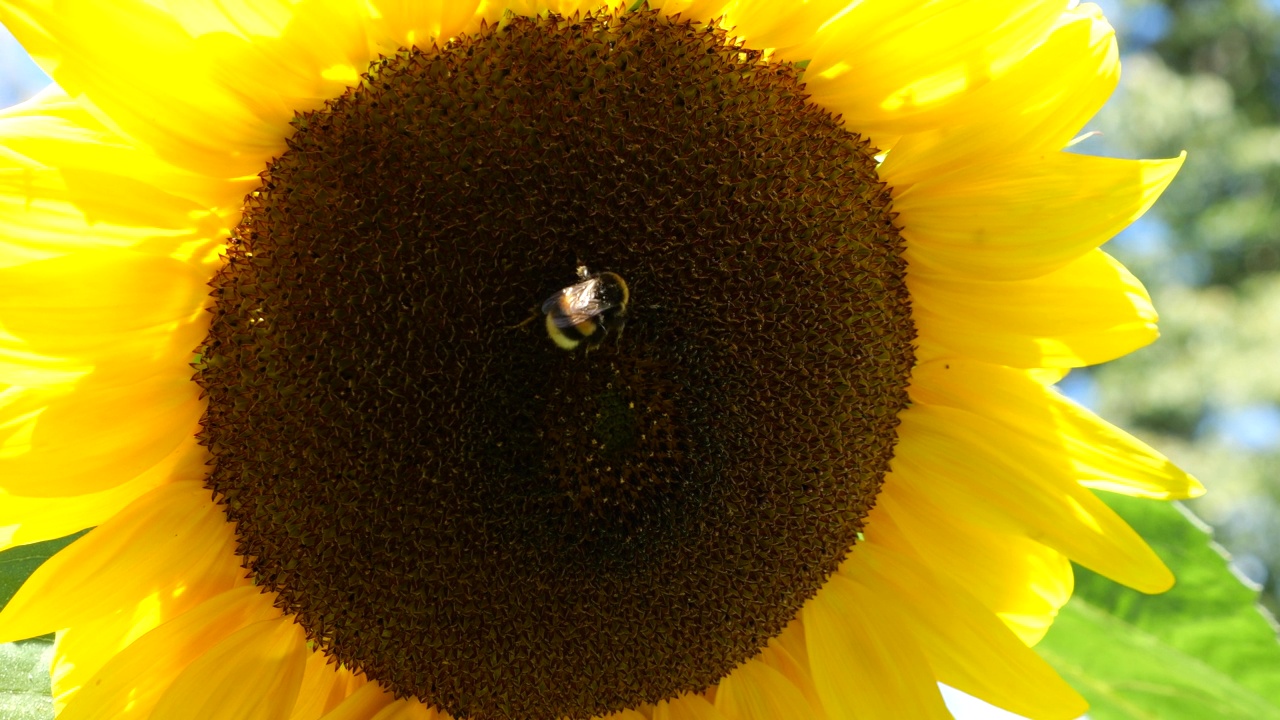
(587,311)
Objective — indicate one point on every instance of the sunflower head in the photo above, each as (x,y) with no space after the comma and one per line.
(402,458)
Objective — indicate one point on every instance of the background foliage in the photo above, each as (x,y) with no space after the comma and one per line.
(1204,76)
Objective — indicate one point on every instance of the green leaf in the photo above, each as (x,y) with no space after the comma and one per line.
(17,564)
(24,680)
(24,665)
(1204,650)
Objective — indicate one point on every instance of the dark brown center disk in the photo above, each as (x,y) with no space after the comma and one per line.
(471,515)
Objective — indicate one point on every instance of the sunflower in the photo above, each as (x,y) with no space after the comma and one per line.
(809,464)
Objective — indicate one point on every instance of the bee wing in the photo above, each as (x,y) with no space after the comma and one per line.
(551,302)
(578,304)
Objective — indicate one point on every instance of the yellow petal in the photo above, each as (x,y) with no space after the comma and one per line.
(324,687)
(130,683)
(561,7)
(865,666)
(25,520)
(1086,312)
(28,369)
(77,305)
(770,24)
(1038,106)
(252,674)
(109,195)
(42,217)
(81,651)
(776,656)
(697,10)
(404,23)
(204,97)
(755,691)
(362,704)
(68,183)
(1019,217)
(1101,455)
(686,707)
(1020,580)
(792,640)
(967,647)
(54,131)
(977,468)
(171,541)
(1047,376)
(926,56)
(82,444)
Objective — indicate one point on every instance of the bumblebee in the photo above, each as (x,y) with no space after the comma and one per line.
(586,312)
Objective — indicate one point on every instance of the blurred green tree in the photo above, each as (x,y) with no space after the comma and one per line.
(1204,76)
